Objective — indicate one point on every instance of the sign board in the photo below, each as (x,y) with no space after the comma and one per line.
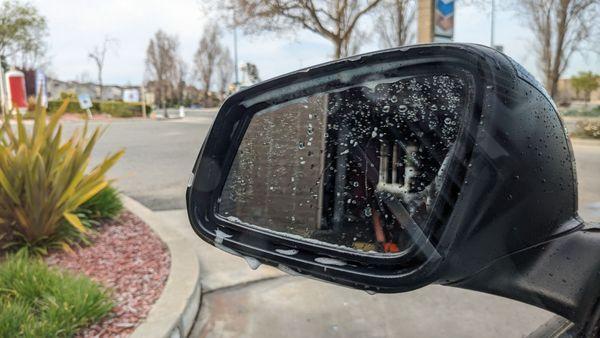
(443,20)
(40,87)
(131,95)
(3,95)
(85,101)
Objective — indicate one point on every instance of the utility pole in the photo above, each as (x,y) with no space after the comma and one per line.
(435,21)
(493,28)
(235,50)
(425,27)
(143,92)
(3,103)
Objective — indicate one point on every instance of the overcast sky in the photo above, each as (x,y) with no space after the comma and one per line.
(76,26)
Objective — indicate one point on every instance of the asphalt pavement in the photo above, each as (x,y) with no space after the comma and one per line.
(238,301)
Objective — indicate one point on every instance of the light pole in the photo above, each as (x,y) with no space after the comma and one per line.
(493,15)
(235,50)
(3,96)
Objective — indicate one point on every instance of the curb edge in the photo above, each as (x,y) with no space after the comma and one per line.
(174,312)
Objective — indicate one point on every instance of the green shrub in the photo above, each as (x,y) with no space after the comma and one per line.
(44,180)
(114,108)
(72,107)
(593,112)
(120,109)
(588,129)
(105,204)
(38,301)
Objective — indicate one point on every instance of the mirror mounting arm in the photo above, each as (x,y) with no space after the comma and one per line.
(559,275)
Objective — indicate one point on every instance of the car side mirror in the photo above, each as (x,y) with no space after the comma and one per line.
(392,170)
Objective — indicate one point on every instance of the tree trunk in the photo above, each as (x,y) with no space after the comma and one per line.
(163,100)
(100,82)
(206,98)
(338,43)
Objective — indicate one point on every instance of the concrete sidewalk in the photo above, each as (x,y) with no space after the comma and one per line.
(240,302)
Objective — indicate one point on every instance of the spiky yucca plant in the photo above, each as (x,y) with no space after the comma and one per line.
(43,180)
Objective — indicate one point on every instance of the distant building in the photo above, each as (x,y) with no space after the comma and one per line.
(109,92)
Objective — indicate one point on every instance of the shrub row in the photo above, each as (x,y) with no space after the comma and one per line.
(114,108)
(592,112)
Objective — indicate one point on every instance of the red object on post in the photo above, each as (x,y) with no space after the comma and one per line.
(16,89)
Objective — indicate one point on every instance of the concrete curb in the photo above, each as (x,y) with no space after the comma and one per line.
(174,312)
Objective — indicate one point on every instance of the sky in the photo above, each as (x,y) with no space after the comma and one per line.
(76,26)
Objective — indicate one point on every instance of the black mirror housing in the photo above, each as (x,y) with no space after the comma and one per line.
(510,185)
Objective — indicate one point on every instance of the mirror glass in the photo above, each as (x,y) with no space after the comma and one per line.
(358,167)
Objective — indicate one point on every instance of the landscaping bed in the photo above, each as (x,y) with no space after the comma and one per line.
(72,261)
(128,259)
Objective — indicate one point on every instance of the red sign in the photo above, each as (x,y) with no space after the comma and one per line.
(16,89)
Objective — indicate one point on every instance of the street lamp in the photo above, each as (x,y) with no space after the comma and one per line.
(493,15)
(235,49)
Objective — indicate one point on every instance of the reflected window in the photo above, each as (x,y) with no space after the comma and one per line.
(359,167)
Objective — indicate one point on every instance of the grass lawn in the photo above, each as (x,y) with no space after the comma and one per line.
(38,301)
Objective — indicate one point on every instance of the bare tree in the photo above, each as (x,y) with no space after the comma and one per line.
(225,68)
(161,64)
(394,23)
(180,80)
(207,56)
(334,20)
(98,55)
(560,28)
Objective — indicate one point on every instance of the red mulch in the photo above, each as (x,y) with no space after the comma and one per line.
(130,260)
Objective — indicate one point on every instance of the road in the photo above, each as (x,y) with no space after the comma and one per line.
(238,301)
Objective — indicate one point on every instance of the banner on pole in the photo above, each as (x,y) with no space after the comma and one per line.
(443,20)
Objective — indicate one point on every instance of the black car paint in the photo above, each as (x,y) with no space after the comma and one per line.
(513,229)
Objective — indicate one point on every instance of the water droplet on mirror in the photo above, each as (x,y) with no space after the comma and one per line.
(287,252)
(402,108)
(386,109)
(253,263)
(394,99)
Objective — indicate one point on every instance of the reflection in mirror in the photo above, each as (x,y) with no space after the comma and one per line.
(359,167)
